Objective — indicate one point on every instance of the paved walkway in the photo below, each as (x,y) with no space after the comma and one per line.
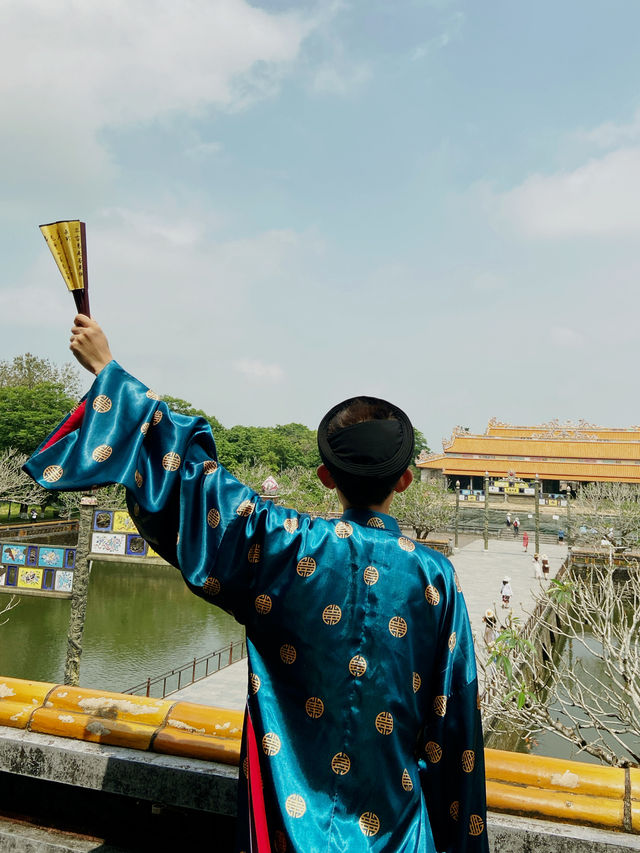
(480,573)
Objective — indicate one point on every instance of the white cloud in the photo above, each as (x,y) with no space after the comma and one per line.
(565,337)
(599,198)
(451,32)
(69,70)
(611,134)
(341,78)
(259,370)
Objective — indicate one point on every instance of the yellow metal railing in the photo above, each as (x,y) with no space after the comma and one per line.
(536,786)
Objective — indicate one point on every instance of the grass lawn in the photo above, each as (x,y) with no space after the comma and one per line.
(10,513)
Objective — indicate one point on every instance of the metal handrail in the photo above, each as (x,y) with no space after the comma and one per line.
(225,657)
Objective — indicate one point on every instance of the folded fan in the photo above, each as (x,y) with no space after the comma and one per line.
(68,244)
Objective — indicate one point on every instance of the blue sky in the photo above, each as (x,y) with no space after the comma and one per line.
(288,203)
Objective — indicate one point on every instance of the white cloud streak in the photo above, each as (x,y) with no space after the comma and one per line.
(598,199)
(69,70)
(259,370)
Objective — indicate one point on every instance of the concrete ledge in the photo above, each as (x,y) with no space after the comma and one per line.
(509,834)
(17,837)
(183,782)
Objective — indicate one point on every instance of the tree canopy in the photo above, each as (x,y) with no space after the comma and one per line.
(29,414)
(29,371)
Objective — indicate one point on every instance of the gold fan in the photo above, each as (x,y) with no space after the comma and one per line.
(68,244)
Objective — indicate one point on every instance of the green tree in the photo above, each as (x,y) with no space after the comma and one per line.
(424,506)
(29,371)
(29,413)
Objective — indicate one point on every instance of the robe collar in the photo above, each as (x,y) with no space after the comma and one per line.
(363,518)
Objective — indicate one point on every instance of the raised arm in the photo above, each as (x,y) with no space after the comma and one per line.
(89,344)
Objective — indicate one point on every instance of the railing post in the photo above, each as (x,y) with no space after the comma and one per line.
(148,687)
(193,677)
(455,544)
(230,654)
(486,510)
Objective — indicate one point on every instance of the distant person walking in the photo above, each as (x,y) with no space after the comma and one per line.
(490,624)
(516,525)
(537,567)
(525,541)
(545,565)
(506,592)
(507,520)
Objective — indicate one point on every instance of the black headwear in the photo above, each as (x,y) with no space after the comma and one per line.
(380,449)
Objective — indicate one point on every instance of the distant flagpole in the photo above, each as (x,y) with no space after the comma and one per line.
(67,241)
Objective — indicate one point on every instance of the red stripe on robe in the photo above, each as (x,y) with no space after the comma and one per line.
(257,814)
(71,424)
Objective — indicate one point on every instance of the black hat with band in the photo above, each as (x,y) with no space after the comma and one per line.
(372,449)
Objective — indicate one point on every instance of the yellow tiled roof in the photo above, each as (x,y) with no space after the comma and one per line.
(500,467)
(554,448)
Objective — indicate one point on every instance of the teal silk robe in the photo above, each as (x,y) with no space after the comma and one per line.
(362,680)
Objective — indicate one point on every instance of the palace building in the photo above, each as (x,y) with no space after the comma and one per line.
(561,455)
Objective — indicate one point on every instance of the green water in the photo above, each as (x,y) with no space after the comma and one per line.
(141,621)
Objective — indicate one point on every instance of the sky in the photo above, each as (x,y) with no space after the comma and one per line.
(290,202)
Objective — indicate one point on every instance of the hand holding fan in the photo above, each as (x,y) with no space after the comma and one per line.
(68,244)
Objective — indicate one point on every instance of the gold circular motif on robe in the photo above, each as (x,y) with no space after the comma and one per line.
(384,723)
(432,595)
(213,518)
(245,509)
(144,429)
(454,809)
(138,478)
(209,466)
(440,705)
(245,767)
(341,763)
(52,473)
(101,404)
(357,665)
(288,654)
(291,525)
(452,642)
(152,395)
(306,567)
(263,604)
(280,841)
(254,554)
(101,453)
(331,615)
(254,682)
(407,784)
(417,682)
(295,805)
(478,702)
(406,544)
(343,530)
(369,824)
(397,626)
(476,825)
(157,417)
(457,582)
(434,751)
(314,706)
(371,575)
(171,461)
(468,760)
(374,521)
(211,586)
(271,744)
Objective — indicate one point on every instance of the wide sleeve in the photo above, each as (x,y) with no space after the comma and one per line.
(191,510)
(452,763)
